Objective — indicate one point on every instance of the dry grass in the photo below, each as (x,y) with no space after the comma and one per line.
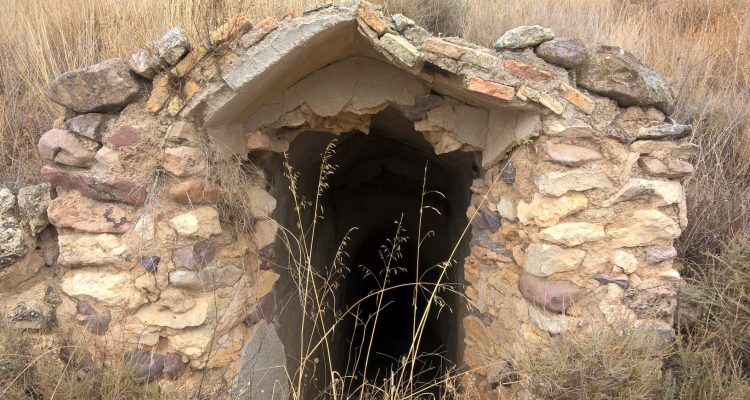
(606,365)
(702,46)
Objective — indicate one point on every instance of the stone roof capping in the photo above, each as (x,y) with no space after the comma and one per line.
(573,191)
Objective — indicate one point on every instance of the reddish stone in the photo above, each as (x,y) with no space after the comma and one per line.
(569,154)
(527,71)
(367,12)
(259,31)
(195,256)
(87,215)
(124,136)
(668,168)
(578,99)
(443,48)
(553,296)
(490,88)
(566,52)
(194,191)
(100,188)
(66,148)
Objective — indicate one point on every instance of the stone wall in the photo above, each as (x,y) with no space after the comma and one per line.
(573,215)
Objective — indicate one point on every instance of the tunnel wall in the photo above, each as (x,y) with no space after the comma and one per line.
(158,232)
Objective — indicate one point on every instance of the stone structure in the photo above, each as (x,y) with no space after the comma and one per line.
(569,178)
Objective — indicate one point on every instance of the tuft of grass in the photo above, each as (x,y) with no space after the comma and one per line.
(721,286)
(607,365)
(39,367)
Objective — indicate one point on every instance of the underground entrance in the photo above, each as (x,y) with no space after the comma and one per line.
(380,181)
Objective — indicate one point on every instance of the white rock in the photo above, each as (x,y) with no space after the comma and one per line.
(200,222)
(172,46)
(626,261)
(184,161)
(507,208)
(7,200)
(154,314)
(646,227)
(572,129)
(572,233)
(542,259)
(264,232)
(81,250)
(192,342)
(111,289)
(547,211)
(144,229)
(559,183)
(551,323)
(261,203)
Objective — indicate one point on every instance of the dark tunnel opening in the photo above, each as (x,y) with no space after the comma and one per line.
(379,180)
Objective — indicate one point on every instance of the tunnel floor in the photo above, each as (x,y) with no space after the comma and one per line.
(378,181)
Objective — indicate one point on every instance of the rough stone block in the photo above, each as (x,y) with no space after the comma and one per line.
(105,87)
(494,89)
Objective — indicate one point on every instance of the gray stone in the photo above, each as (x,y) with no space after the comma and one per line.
(30,314)
(105,87)
(421,107)
(150,263)
(173,366)
(524,36)
(618,74)
(658,254)
(7,201)
(606,279)
(402,22)
(172,46)
(262,372)
(88,125)
(665,131)
(33,201)
(656,302)
(13,243)
(566,52)
(486,219)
